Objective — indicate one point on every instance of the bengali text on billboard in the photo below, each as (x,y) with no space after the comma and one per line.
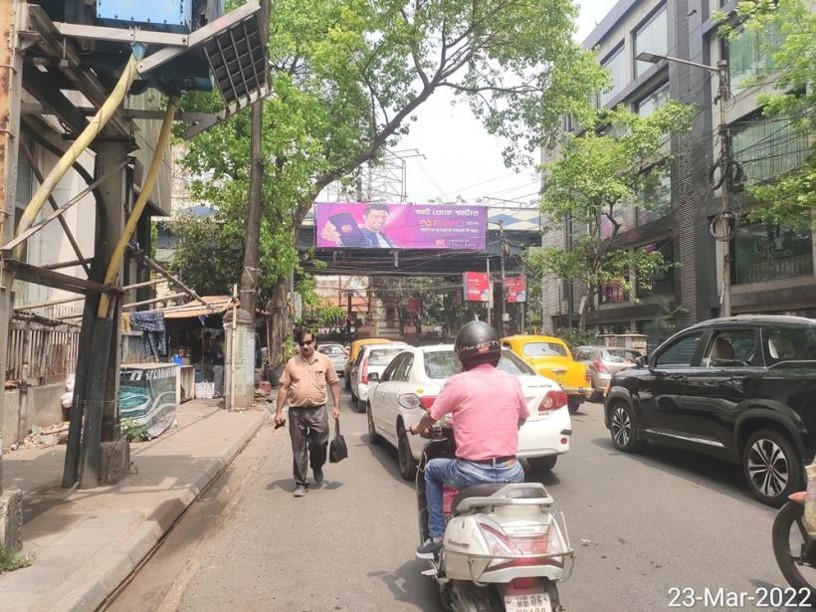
(359,225)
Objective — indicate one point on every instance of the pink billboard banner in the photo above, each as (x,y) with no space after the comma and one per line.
(358,225)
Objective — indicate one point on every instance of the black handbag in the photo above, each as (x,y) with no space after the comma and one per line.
(337,447)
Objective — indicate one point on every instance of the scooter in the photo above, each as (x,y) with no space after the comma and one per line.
(794,548)
(505,547)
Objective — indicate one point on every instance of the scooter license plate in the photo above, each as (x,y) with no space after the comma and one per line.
(530,602)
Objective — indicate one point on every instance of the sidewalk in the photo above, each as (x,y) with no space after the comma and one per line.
(84,543)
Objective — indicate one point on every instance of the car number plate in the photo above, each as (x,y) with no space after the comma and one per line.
(533,602)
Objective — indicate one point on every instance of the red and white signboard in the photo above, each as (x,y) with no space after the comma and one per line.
(515,289)
(414,306)
(477,287)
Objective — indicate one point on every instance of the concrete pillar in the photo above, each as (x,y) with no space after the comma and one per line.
(239,360)
(11,74)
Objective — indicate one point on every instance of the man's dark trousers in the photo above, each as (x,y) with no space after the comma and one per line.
(309,430)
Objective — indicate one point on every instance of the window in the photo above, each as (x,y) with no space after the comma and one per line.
(769,252)
(784,343)
(509,362)
(750,55)
(388,373)
(733,348)
(653,101)
(654,199)
(382,356)
(662,282)
(403,370)
(441,364)
(680,354)
(613,293)
(766,148)
(544,349)
(616,65)
(652,36)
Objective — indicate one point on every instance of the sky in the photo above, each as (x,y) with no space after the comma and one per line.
(449,154)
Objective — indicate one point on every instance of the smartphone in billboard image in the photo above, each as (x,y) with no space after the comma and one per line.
(350,234)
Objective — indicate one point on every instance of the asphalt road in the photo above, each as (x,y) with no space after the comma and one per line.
(649,530)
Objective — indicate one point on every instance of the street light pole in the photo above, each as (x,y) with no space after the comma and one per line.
(723,225)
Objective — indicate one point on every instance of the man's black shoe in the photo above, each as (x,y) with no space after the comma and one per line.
(429,549)
(318,475)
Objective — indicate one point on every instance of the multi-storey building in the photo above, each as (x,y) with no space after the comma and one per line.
(771,268)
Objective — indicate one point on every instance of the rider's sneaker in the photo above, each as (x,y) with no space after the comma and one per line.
(429,549)
(300,490)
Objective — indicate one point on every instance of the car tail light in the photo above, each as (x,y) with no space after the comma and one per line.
(553,400)
(426,401)
(364,370)
(599,365)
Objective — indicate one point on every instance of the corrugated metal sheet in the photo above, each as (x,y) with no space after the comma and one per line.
(218,304)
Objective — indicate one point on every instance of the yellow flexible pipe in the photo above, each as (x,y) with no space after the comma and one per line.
(95,127)
(147,187)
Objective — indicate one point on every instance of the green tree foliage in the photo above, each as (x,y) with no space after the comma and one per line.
(619,156)
(348,76)
(791,199)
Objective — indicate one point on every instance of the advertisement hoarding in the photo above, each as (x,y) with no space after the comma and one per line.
(477,287)
(515,289)
(357,225)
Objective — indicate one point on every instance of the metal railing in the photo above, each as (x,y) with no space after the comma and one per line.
(41,354)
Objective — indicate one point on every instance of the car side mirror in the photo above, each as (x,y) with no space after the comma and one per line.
(373,377)
(642,362)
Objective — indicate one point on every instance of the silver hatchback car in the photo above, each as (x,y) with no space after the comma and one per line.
(604,361)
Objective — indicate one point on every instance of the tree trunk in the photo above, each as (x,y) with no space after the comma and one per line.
(280,325)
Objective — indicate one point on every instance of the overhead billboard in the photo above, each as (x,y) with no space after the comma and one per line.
(360,225)
(515,288)
(477,287)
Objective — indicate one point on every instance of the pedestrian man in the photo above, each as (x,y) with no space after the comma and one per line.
(303,385)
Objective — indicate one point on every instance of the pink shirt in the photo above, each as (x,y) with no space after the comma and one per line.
(487,405)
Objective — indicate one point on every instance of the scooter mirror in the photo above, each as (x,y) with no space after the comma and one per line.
(409,400)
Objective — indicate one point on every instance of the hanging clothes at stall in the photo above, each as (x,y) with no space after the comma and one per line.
(154,339)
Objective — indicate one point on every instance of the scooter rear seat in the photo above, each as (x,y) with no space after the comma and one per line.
(486,490)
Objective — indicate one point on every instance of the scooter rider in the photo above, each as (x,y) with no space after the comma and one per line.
(488,407)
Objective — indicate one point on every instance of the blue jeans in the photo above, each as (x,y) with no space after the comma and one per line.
(459,474)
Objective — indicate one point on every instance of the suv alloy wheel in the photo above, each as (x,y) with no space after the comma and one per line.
(772,466)
(622,428)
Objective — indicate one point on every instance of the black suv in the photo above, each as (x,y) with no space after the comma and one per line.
(739,388)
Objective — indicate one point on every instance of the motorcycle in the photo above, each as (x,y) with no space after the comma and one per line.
(505,547)
(794,548)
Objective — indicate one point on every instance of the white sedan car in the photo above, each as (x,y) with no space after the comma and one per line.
(423,371)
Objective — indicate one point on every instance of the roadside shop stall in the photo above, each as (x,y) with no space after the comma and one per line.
(180,338)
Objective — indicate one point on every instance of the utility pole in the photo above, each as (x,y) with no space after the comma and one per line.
(489,293)
(241,387)
(11,74)
(723,225)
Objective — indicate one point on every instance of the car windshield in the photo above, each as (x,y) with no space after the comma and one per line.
(513,364)
(619,355)
(544,349)
(441,364)
(444,364)
(332,351)
(383,356)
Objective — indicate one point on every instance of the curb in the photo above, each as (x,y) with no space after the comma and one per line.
(96,587)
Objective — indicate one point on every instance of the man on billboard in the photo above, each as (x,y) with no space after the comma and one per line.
(342,230)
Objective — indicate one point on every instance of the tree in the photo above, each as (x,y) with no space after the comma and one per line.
(348,75)
(616,160)
(786,32)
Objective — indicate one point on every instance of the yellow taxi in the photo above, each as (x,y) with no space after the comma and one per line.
(551,357)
